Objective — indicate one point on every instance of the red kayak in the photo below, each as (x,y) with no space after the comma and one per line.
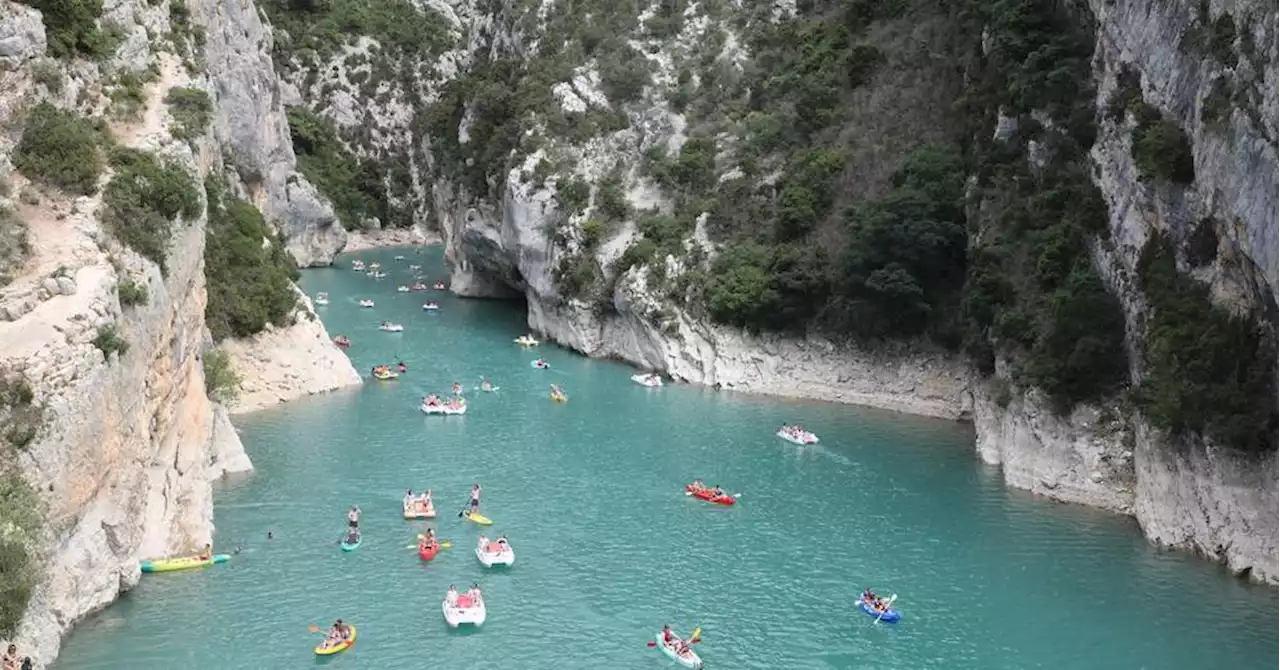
(705,494)
(428,551)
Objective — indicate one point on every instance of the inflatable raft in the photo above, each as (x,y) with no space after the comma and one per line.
(428,551)
(391,327)
(184,563)
(890,615)
(461,408)
(414,511)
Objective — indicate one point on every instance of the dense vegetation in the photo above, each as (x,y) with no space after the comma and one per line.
(250,283)
(20,522)
(1208,372)
(143,199)
(354,186)
(61,149)
(71,28)
(1032,292)
(20,518)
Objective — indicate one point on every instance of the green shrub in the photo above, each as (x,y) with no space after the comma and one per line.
(131,293)
(1161,150)
(47,73)
(249,285)
(71,28)
(143,199)
(192,109)
(355,187)
(128,94)
(109,340)
(1208,372)
(579,276)
(20,516)
(60,148)
(611,199)
(573,195)
(592,231)
(220,379)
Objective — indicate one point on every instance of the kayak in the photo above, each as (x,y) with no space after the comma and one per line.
(890,615)
(322,650)
(544,365)
(705,494)
(385,376)
(688,659)
(491,389)
(478,518)
(184,563)
(556,397)
(427,553)
(351,547)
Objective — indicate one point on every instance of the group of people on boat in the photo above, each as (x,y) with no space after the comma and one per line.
(876,602)
(715,491)
(795,431)
(462,601)
(420,504)
(433,400)
(339,633)
(673,642)
(342,341)
(384,371)
(495,547)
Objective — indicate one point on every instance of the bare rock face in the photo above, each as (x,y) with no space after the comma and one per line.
(251,127)
(21,33)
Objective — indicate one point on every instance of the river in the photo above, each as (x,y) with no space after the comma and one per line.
(608,549)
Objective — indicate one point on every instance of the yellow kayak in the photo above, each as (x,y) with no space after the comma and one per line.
(323,650)
(479,518)
(184,563)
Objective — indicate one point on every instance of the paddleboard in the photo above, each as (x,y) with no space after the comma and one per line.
(478,518)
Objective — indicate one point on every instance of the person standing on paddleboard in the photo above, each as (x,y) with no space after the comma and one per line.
(353,517)
(475,497)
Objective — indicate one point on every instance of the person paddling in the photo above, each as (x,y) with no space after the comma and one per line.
(457,388)
(353,516)
(485,385)
(475,498)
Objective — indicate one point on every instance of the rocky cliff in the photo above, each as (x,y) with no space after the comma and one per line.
(109,435)
(566,207)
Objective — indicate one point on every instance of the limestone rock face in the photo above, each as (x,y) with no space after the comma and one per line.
(251,127)
(21,33)
(282,364)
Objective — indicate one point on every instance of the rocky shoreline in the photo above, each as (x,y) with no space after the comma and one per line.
(364,240)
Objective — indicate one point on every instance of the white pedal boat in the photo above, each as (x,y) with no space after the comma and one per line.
(526,341)
(391,327)
(366,303)
(688,659)
(322,298)
(802,438)
(651,381)
(491,553)
(430,307)
(473,613)
(402,289)
(444,409)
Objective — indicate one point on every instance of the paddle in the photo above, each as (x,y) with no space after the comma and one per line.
(887,605)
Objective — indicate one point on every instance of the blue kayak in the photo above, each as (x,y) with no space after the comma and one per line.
(890,616)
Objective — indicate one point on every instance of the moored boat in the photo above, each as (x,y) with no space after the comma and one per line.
(322,299)
(391,327)
(366,303)
(650,380)
(797,435)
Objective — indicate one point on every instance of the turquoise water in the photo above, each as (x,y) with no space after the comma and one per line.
(608,549)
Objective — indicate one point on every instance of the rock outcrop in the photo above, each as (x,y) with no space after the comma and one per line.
(283,364)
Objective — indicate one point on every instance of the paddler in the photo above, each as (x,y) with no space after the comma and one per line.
(698,485)
(408,498)
(353,516)
(457,388)
(206,553)
(485,385)
(475,498)
(667,635)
